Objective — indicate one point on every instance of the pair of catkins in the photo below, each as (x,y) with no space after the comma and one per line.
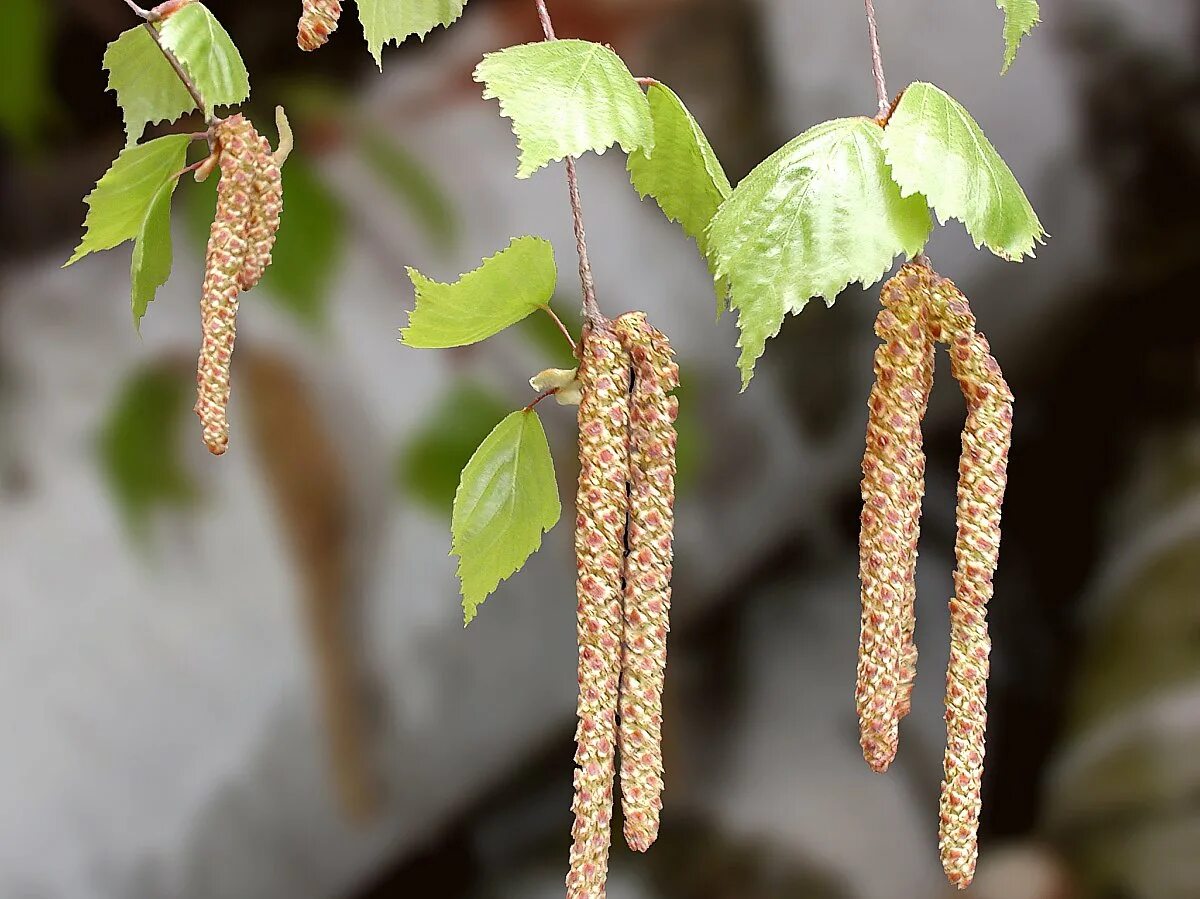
(920,310)
(623,545)
(249,204)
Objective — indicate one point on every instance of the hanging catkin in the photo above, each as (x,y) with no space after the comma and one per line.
(892,488)
(249,203)
(982,477)
(318,20)
(601,508)
(652,413)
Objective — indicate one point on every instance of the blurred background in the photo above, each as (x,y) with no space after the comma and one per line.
(247,677)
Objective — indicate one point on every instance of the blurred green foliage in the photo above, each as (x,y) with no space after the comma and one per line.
(138,445)
(26,101)
(413,185)
(430,463)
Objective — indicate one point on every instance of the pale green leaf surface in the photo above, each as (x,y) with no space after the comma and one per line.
(394,21)
(147,88)
(507,498)
(683,174)
(819,213)
(151,265)
(565,98)
(935,148)
(208,53)
(506,288)
(132,201)
(1020,18)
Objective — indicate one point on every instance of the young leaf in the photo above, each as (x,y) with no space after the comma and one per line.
(683,174)
(819,213)
(147,88)
(205,49)
(138,445)
(506,500)
(1020,18)
(935,148)
(431,463)
(565,98)
(394,21)
(503,290)
(132,201)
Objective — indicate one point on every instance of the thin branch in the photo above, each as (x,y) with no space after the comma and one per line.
(177,66)
(541,396)
(881,92)
(646,81)
(138,11)
(149,17)
(563,328)
(591,309)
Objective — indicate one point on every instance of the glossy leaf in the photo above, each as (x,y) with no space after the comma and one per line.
(147,88)
(565,98)
(683,174)
(394,21)
(132,201)
(208,53)
(1020,18)
(507,498)
(818,214)
(506,288)
(935,148)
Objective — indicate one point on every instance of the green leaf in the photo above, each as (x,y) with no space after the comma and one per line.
(431,463)
(394,21)
(132,201)
(818,214)
(506,288)
(151,265)
(565,98)
(138,445)
(1020,18)
(26,102)
(935,148)
(506,500)
(147,88)
(413,183)
(310,246)
(683,174)
(205,49)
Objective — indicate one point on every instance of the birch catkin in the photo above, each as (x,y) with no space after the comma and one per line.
(229,238)
(982,477)
(249,204)
(652,414)
(601,508)
(892,488)
(318,20)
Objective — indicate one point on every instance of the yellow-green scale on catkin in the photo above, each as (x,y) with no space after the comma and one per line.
(650,539)
(236,144)
(602,505)
(892,488)
(318,20)
(982,478)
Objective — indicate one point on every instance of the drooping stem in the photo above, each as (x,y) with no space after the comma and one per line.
(591,309)
(563,328)
(149,17)
(881,92)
